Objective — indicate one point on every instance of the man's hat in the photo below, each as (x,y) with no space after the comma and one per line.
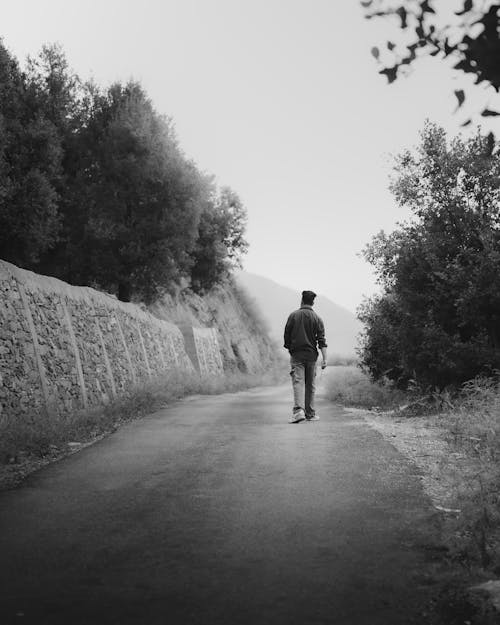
(308,296)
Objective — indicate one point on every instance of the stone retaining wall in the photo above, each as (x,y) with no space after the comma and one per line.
(222,317)
(66,348)
(202,346)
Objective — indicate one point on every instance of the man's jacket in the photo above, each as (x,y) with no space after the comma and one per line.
(304,332)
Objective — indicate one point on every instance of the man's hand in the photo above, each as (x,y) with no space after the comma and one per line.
(323,355)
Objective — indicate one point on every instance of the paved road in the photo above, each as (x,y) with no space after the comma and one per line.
(217,511)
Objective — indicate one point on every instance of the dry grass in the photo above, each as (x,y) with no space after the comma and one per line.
(39,435)
(349,386)
(340,360)
(455,440)
(472,425)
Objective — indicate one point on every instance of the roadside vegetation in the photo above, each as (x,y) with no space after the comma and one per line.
(472,425)
(454,435)
(433,332)
(26,440)
(431,343)
(436,322)
(349,386)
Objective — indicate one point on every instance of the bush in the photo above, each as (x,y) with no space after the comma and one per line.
(437,319)
(473,426)
(351,387)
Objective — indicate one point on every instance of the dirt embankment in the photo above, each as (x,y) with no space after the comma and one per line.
(242,334)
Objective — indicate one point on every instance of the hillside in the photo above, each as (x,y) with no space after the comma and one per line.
(244,344)
(277,301)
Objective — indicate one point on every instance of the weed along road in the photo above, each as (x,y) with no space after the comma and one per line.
(215,510)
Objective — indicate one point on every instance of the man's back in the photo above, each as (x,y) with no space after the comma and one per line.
(304,332)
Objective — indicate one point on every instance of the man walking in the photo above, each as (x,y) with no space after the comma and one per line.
(304,332)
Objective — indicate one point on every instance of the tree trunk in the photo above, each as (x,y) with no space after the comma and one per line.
(124,292)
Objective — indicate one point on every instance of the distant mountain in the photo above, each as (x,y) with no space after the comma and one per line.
(276,302)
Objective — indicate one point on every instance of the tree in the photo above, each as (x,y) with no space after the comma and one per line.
(55,89)
(438,318)
(30,166)
(64,102)
(140,196)
(220,242)
(95,189)
(471,42)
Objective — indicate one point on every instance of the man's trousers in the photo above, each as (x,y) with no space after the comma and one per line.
(303,374)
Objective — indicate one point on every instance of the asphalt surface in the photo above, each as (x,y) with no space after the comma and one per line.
(217,511)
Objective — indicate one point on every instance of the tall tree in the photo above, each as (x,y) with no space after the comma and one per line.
(143,197)
(64,102)
(95,189)
(438,318)
(30,166)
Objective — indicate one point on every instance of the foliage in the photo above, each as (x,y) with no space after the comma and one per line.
(140,196)
(30,166)
(473,430)
(95,189)
(220,240)
(471,42)
(437,321)
(351,387)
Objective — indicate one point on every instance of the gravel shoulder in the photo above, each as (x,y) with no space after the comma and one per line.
(425,443)
(449,478)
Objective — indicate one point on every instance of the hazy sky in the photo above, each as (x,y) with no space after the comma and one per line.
(280,99)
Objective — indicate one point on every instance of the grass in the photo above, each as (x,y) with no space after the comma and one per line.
(472,423)
(338,360)
(468,471)
(40,435)
(470,420)
(351,387)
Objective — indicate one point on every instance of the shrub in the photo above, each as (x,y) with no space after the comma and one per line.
(473,426)
(351,387)
(437,318)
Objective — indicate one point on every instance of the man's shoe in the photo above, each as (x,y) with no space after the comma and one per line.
(313,418)
(297,417)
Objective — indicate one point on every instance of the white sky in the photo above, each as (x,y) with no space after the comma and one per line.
(280,99)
